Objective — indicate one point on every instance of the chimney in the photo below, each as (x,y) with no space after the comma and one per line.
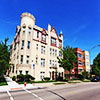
(49,28)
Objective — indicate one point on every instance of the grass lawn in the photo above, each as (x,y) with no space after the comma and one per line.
(3,83)
(59,83)
(86,80)
(70,81)
(38,82)
(73,82)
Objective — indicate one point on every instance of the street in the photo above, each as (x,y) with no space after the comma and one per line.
(80,91)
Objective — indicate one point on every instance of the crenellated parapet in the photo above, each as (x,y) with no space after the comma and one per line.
(28,15)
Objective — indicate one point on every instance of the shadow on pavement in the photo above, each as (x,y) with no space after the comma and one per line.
(57,94)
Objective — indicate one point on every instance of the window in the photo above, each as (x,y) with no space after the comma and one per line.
(50,51)
(36,60)
(20,72)
(43,37)
(80,62)
(60,44)
(60,53)
(36,46)
(27,59)
(87,57)
(83,57)
(29,30)
(55,63)
(28,45)
(87,63)
(24,29)
(42,74)
(55,52)
(80,70)
(83,63)
(22,44)
(53,41)
(26,72)
(50,62)
(21,59)
(79,55)
(43,49)
(38,34)
(42,62)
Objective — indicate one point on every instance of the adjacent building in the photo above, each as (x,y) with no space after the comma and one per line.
(34,50)
(82,64)
(86,62)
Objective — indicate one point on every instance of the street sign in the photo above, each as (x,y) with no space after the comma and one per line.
(33,66)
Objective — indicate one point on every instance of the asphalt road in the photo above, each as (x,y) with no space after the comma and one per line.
(80,91)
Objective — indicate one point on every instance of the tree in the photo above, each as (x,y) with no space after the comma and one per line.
(95,71)
(86,75)
(4,57)
(68,58)
(96,66)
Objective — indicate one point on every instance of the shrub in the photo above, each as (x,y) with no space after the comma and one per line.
(66,80)
(29,78)
(14,78)
(59,78)
(2,79)
(46,78)
(32,78)
(81,77)
(75,78)
(20,77)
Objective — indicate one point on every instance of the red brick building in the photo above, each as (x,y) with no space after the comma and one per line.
(78,66)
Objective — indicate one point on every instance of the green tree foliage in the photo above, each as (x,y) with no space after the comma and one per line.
(95,71)
(96,65)
(86,75)
(4,57)
(68,58)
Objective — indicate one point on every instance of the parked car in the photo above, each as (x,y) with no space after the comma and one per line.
(95,79)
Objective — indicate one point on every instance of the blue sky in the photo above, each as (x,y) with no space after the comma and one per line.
(79,20)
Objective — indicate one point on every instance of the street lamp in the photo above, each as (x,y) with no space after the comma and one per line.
(92,49)
(90,53)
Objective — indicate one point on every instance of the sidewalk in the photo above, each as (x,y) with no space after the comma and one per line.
(12,85)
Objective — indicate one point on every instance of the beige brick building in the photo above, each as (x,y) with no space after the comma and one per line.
(34,50)
(86,62)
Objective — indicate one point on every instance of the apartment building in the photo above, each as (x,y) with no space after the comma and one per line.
(83,63)
(86,62)
(79,68)
(34,50)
